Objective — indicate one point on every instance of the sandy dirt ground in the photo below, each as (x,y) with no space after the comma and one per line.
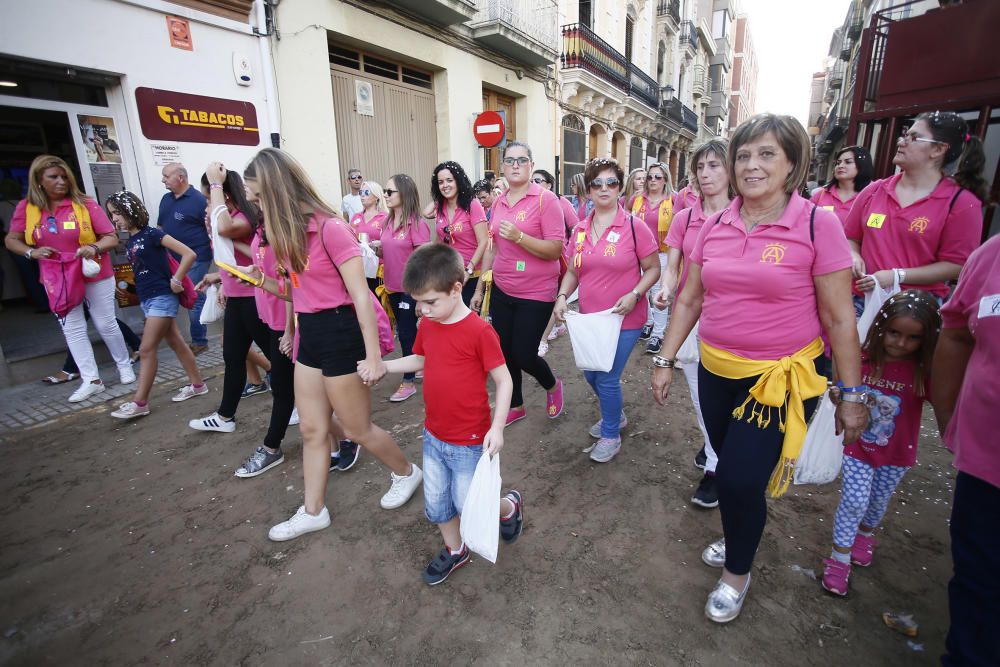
(133,543)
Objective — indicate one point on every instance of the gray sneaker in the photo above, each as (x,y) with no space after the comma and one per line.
(260,462)
(606,449)
(595,430)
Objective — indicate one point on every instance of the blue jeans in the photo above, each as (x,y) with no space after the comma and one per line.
(608,386)
(199,332)
(448,471)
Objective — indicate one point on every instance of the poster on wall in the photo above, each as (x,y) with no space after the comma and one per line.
(100,139)
(364,100)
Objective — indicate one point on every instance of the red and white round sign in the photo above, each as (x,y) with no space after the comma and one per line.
(488,129)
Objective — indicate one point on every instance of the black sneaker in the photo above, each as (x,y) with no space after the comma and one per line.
(700,459)
(348,455)
(444,564)
(334,462)
(253,389)
(510,529)
(647,330)
(654,344)
(706,495)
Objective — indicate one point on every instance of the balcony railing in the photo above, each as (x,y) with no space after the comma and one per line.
(674,110)
(690,119)
(537,21)
(583,49)
(689,35)
(671,8)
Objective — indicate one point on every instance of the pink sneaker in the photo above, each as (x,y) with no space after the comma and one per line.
(835,576)
(554,401)
(516,415)
(404,392)
(863,550)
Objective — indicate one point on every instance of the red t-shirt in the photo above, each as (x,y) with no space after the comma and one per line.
(457,359)
(891,436)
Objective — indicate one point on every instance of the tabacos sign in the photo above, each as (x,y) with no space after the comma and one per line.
(173,116)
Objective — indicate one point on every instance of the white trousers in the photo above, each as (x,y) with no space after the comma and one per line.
(658,318)
(100,299)
(691,374)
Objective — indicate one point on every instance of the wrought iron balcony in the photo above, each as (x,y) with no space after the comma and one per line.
(522,29)
(671,8)
(643,87)
(441,12)
(674,110)
(582,49)
(690,119)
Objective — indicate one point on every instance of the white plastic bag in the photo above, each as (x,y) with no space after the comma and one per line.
(481,512)
(594,337)
(370,261)
(211,311)
(222,248)
(873,302)
(90,267)
(823,450)
(690,352)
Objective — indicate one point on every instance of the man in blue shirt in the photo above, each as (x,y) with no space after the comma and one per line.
(182,216)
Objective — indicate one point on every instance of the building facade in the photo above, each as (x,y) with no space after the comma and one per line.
(743,99)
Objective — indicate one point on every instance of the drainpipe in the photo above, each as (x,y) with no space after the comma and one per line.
(271,94)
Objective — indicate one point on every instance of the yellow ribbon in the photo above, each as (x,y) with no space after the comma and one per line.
(382,292)
(783,384)
(487,280)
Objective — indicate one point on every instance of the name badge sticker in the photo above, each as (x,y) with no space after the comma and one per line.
(613,237)
(69,224)
(520,266)
(827,208)
(404,305)
(295,279)
(989,306)
(876,220)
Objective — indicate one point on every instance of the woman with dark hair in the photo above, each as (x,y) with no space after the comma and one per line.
(852,172)
(921,224)
(403,232)
(55,221)
(460,219)
(767,275)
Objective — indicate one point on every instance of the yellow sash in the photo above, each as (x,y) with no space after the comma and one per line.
(33,217)
(487,279)
(783,383)
(664,216)
(382,292)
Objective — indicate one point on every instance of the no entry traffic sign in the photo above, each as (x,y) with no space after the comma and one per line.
(488,129)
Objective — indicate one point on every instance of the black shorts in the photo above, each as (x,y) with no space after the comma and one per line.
(331,341)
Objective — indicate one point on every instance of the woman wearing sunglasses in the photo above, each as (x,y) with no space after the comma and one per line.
(921,224)
(58,221)
(654,207)
(369,222)
(612,258)
(526,240)
(459,219)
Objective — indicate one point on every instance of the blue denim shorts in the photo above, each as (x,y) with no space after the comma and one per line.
(448,471)
(164,305)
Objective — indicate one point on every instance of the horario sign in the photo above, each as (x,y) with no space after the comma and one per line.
(173,116)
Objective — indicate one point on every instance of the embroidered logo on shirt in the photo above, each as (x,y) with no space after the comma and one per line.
(919,224)
(521,216)
(456,228)
(610,250)
(773,253)
(876,220)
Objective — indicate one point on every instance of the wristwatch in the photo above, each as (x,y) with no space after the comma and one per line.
(28,253)
(901,274)
(662,362)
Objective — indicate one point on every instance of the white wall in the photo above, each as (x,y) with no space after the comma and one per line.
(130,39)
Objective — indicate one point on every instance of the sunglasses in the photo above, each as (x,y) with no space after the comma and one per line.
(53,229)
(356,178)
(521,161)
(598,183)
(656,177)
(390,192)
(365,193)
(539,180)
(446,231)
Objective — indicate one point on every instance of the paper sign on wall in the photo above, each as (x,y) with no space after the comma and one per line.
(164,154)
(364,99)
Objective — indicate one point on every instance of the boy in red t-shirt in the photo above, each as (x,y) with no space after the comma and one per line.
(456,350)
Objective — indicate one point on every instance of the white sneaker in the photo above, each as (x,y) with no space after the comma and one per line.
(402,488)
(188,391)
(543,348)
(130,410)
(213,422)
(126,375)
(302,522)
(86,390)
(294,419)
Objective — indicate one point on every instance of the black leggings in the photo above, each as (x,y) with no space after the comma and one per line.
(520,324)
(469,289)
(282,391)
(747,456)
(405,310)
(241,326)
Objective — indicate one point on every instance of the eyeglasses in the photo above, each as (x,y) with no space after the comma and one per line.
(356,177)
(365,193)
(390,192)
(446,234)
(53,229)
(909,136)
(520,161)
(538,180)
(598,183)
(656,177)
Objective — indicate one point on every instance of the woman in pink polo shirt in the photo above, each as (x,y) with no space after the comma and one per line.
(965,394)
(58,219)
(369,222)
(921,224)
(635,185)
(852,172)
(685,197)
(612,259)
(582,204)
(546,180)
(404,232)
(654,207)
(766,276)
(460,220)
(338,332)
(710,167)
(527,233)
